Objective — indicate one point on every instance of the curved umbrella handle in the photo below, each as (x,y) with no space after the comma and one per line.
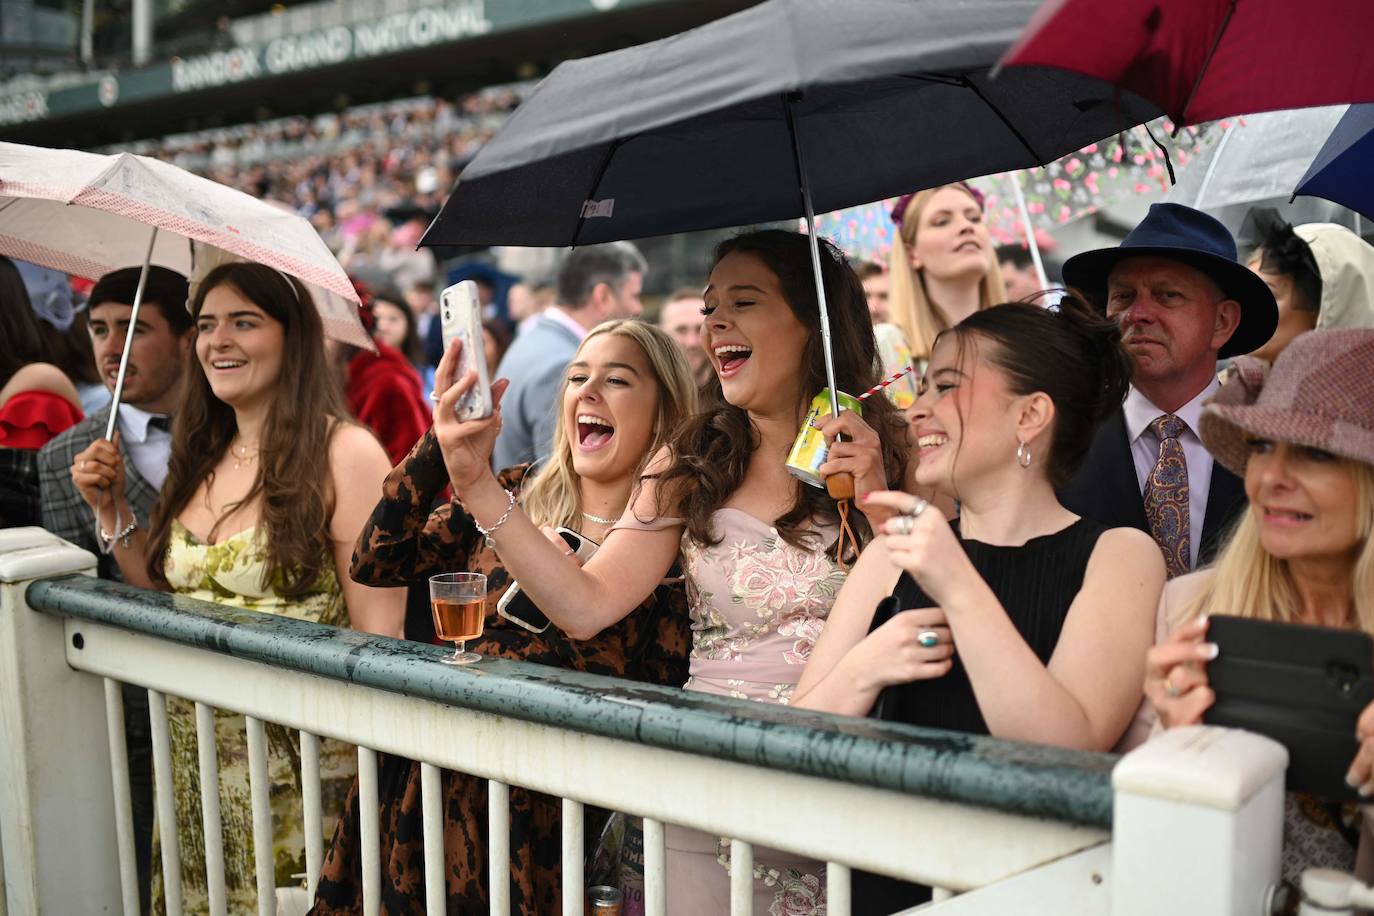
(840,486)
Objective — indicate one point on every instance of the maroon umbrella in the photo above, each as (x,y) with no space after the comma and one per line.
(1204,59)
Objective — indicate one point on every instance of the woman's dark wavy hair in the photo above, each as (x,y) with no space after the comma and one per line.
(292,480)
(711,452)
(1283,251)
(25,340)
(1071,353)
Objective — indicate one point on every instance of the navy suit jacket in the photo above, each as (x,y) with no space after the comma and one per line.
(1106,490)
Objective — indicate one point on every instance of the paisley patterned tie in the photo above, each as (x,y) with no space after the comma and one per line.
(1166,496)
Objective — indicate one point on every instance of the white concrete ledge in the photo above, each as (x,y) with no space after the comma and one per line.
(34,553)
(1219,768)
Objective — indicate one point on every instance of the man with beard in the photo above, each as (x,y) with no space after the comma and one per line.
(1183,300)
(161,343)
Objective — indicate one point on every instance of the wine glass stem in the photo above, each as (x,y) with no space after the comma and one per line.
(460,648)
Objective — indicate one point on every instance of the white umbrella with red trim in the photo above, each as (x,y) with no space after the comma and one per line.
(88,214)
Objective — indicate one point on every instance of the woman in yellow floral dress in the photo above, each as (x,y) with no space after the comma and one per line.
(251,517)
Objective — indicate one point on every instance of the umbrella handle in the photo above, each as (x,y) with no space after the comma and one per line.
(840,486)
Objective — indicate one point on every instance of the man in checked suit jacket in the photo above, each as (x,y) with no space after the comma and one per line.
(153,385)
(1182,300)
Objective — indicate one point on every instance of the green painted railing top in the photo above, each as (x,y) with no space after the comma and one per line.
(1016,778)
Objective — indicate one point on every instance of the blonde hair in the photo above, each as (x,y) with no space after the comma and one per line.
(1248,581)
(911,308)
(552,497)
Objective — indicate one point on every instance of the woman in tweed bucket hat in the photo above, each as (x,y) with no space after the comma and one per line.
(1302,437)
(1320,394)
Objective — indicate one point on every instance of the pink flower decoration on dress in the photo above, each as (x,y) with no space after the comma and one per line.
(798,895)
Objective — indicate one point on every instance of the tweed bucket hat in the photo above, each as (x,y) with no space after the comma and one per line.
(1320,393)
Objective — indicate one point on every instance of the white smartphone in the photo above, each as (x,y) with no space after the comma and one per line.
(460,316)
(516,606)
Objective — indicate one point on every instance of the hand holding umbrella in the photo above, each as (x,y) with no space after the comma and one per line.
(98,474)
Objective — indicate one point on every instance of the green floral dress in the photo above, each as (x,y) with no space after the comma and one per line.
(231,573)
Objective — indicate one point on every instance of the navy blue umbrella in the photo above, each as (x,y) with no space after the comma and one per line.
(1343,171)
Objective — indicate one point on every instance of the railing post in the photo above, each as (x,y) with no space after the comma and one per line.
(56,802)
(1198,823)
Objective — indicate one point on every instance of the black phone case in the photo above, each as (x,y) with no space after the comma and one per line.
(1303,686)
(521,606)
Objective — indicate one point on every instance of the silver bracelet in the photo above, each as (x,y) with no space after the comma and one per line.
(122,535)
(488,532)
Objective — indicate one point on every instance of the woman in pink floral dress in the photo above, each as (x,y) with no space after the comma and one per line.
(761,551)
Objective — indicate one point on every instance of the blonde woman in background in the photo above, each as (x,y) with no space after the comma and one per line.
(943,266)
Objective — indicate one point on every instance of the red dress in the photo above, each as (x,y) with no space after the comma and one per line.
(386,395)
(32,419)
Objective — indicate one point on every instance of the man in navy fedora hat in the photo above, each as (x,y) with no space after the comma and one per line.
(1183,301)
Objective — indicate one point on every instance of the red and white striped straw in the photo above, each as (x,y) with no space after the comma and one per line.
(885,382)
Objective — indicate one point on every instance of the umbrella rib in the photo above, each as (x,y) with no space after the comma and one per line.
(1207,62)
(1021,138)
(600,174)
(966,83)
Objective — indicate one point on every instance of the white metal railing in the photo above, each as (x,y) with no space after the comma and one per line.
(1000,827)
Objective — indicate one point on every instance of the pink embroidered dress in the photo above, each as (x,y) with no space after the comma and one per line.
(757,605)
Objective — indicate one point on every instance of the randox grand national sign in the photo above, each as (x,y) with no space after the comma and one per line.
(394,34)
(424,26)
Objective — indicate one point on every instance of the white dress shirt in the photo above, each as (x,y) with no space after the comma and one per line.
(149,448)
(554,313)
(1140,413)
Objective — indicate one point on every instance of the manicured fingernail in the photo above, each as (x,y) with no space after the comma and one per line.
(1208,650)
(1351,780)
(1367,789)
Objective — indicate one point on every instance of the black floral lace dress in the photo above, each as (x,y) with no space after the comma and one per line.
(405,543)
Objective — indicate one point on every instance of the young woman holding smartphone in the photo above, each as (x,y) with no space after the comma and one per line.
(626,390)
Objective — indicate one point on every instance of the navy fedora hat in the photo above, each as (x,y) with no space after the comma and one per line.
(1191,237)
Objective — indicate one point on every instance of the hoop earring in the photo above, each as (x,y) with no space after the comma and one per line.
(1023,454)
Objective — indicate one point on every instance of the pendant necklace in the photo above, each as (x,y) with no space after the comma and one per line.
(240,454)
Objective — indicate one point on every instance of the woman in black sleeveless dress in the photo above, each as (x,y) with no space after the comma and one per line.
(1017,619)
